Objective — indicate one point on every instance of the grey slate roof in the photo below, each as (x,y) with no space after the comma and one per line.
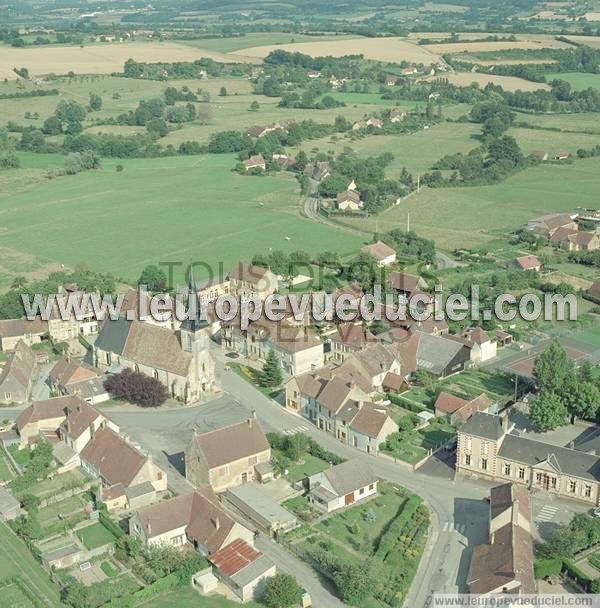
(488,426)
(141,489)
(533,452)
(7,501)
(262,503)
(252,571)
(349,476)
(113,335)
(435,353)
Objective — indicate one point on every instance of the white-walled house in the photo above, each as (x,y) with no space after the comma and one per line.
(342,485)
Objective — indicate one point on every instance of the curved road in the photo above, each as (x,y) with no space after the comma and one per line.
(311,210)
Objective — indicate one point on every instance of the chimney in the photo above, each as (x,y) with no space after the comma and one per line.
(253,414)
(250,421)
(92,430)
(216,523)
(149,527)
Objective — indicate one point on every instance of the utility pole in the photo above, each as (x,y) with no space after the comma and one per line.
(418,183)
(408,222)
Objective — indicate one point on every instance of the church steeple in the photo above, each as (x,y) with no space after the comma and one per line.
(193,323)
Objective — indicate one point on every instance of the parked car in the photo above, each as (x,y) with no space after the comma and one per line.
(595,512)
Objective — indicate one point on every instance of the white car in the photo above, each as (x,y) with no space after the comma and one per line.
(595,512)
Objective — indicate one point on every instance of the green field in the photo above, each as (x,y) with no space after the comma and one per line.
(552,141)
(471,216)
(177,209)
(579,80)
(585,122)
(17,561)
(95,535)
(417,152)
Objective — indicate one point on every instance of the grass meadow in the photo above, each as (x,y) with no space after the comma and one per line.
(166,209)
(417,152)
(579,80)
(470,216)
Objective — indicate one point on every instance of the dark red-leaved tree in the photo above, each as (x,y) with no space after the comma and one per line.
(137,388)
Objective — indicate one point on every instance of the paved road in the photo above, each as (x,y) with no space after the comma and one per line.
(459,513)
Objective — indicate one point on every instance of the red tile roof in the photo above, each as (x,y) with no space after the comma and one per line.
(449,403)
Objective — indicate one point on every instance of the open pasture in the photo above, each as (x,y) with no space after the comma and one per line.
(416,152)
(579,81)
(101,58)
(166,209)
(471,216)
(379,49)
(585,122)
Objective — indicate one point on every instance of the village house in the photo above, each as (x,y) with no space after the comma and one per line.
(457,410)
(67,372)
(248,281)
(384,254)
(349,200)
(481,347)
(228,456)
(318,170)
(17,375)
(298,349)
(347,339)
(180,360)
(441,357)
(528,262)
(405,284)
(562,155)
(547,225)
(193,519)
(397,115)
(375,123)
(505,563)
(44,417)
(341,486)
(12,331)
(374,363)
(390,81)
(488,447)
(111,458)
(410,71)
(575,240)
(256,161)
(369,428)
(359,125)
(259,131)
(213,290)
(541,155)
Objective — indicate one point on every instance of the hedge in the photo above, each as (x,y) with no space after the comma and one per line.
(110,525)
(411,406)
(393,533)
(162,585)
(577,575)
(547,567)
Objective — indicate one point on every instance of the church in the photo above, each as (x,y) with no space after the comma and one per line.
(179,359)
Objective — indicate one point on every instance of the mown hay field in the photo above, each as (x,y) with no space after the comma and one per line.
(509,83)
(102,58)
(379,49)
